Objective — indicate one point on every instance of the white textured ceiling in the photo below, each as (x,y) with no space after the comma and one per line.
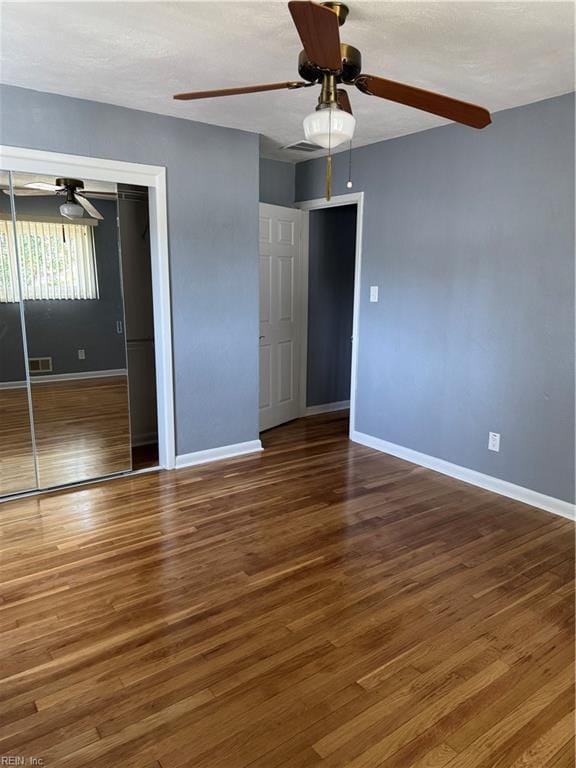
(137,54)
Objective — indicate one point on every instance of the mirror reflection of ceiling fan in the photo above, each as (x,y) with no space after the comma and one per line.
(327,62)
(72,189)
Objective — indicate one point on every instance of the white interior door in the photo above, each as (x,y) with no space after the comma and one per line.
(280,234)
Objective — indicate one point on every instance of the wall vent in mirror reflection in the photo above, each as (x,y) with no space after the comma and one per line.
(40,364)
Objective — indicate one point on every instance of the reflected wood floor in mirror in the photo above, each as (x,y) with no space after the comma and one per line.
(319,605)
(82,428)
(17,471)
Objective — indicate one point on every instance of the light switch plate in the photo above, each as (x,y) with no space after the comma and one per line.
(373,293)
(81,354)
(494,441)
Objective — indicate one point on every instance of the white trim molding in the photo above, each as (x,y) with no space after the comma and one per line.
(13,384)
(315,410)
(23,160)
(217,454)
(353,198)
(489,483)
(50,378)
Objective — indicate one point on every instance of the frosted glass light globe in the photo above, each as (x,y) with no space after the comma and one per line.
(329,127)
(72,210)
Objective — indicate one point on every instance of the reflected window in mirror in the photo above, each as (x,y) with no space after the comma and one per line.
(57,261)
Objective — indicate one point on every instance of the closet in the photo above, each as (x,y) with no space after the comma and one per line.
(64,373)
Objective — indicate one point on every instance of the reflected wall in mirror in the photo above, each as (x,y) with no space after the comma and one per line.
(17,466)
(70,267)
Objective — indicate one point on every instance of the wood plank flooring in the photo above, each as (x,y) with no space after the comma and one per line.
(319,605)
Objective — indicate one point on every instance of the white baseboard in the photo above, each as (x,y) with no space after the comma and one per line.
(216,454)
(314,410)
(13,384)
(42,378)
(489,483)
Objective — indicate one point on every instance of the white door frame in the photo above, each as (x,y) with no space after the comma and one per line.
(353,198)
(20,159)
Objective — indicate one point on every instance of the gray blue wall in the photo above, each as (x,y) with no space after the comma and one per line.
(332,250)
(277,182)
(213,191)
(470,236)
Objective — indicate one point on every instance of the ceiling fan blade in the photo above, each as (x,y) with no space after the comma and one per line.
(343,100)
(290,85)
(88,207)
(21,192)
(319,32)
(428,101)
(44,186)
(97,194)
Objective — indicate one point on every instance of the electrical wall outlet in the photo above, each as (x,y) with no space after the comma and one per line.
(494,441)
(81,354)
(374,293)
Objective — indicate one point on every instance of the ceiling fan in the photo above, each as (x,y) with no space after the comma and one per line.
(73,189)
(327,62)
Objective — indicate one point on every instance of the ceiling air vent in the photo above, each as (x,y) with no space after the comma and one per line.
(303,146)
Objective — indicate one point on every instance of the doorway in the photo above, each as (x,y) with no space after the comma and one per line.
(316,365)
(349,227)
(133,219)
(331,259)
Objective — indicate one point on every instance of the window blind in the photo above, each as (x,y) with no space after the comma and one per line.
(57,261)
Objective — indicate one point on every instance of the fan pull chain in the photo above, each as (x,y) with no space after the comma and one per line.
(328,177)
(349,182)
(329,158)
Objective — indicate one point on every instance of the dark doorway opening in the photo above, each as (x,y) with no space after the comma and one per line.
(331,265)
(138,306)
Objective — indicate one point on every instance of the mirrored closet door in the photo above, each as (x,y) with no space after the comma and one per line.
(17,465)
(69,298)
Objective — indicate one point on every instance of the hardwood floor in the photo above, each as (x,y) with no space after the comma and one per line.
(317,606)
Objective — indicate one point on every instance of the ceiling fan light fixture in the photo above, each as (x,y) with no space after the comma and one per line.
(71,210)
(329,127)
